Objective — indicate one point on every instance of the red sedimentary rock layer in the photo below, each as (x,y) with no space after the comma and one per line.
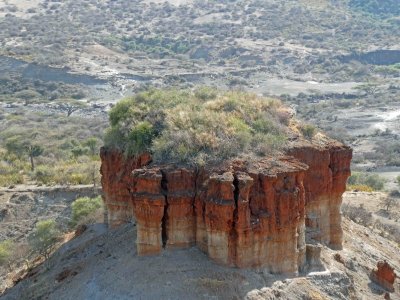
(324,183)
(243,214)
(384,275)
(116,171)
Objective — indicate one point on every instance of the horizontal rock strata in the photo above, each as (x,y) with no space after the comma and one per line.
(258,214)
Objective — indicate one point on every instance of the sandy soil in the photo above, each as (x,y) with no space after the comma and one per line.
(372,202)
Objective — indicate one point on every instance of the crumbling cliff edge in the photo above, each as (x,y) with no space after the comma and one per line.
(244,214)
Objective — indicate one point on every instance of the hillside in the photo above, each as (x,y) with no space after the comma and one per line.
(100,264)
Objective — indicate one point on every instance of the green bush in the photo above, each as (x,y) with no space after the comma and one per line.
(86,210)
(6,248)
(11,179)
(308,130)
(373,181)
(44,237)
(196,127)
(44,174)
(206,93)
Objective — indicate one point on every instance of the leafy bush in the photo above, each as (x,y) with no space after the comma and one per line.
(196,127)
(44,174)
(44,237)
(6,248)
(308,130)
(373,181)
(86,210)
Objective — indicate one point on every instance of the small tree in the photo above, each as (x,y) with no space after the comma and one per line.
(33,151)
(388,203)
(20,146)
(93,145)
(368,88)
(70,106)
(44,237)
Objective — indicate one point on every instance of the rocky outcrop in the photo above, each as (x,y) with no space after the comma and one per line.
(242,214)
(324,183)
(384,275)
(116,171)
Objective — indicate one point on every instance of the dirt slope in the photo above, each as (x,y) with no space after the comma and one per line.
(103,264)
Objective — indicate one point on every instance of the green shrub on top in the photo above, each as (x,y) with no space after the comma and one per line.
(199,127)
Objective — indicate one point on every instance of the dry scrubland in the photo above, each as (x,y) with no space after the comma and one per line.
(64,150)
(336,63)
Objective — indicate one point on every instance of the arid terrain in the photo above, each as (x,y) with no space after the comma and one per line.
(65,64)
(102,264)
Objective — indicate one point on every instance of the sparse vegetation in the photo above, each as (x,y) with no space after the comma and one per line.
(86,210)
(366,181)
(389,202)
(49,148)
(308,130)
(185,127)
(44,238)
(6,248)
(358,214)
(382,7)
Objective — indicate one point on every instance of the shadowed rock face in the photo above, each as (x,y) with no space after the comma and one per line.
(116,171)
(242,214)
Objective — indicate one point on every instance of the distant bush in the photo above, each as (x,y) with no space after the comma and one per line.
(197,127)
(44,174)
(360,188)
(206,93)
(308,130)
(86,210)
(372,181)
(6,248)
(358,214)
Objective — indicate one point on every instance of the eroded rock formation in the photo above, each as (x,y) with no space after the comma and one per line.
(242,214)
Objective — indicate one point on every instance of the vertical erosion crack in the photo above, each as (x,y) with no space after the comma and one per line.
(164,188)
